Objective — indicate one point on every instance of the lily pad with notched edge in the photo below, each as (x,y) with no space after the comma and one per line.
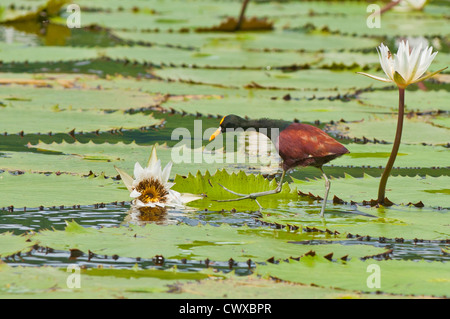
(80,158)
(208,185)
(376,155)
(44,120)
(400,277)
(34,190)
(52,282)
(191,242)
(431,191)
(342,82)
(356,222)
(415,131)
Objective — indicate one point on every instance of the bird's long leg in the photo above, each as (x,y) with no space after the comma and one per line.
(327,189)
(254,195)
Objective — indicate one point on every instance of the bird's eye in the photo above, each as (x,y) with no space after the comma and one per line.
(221,121)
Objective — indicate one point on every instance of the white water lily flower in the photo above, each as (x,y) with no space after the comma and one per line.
(150,186)
(407,66)
(408,5)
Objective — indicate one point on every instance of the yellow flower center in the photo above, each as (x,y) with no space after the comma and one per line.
(152,191)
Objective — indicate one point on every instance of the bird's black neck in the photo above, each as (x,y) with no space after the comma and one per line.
(265,126)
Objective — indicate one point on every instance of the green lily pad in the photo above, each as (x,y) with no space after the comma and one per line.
(183,241)
(358,221)
(52,282)
(279,40)
(11,244)
(409,156)
(261,288)
(422,101)
(392,23)
(223,58)
(75,99)
(304,80)
(415,131)
(397,277)
(34,190)
(288,108)
(209,186)
(432,191)
(44,120)
(79,158)
(16,52)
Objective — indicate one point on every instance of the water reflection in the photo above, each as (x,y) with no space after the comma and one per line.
(145,215)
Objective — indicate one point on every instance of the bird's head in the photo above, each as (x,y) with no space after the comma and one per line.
(228,121)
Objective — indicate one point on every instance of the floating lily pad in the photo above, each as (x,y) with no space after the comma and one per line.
(52,282)
(304,80)
(85,157)
(261,288)
(400,189)
(11,244)
(34,190)
(392,24)
(209,186)
(376,155)
(415,131)
(76,99)
(51,119)
(222,58)
(287,107)
(417,101)
(183,241)
(361,223)
(16,52)
(278,40)
(397,277)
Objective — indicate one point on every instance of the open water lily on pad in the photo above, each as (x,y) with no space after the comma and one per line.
(150,186)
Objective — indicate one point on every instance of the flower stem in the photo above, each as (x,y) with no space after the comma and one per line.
(241,16)
(395,147)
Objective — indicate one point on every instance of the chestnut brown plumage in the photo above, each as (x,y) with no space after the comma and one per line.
(299,145)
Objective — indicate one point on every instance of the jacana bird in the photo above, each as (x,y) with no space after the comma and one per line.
(299,145)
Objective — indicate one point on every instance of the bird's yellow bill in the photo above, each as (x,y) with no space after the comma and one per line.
(214,135)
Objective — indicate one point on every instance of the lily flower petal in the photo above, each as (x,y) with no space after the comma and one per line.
(138,170)
(153,157)
(430,75)
(127,179)
(375,77)
(135,194)
(166,172)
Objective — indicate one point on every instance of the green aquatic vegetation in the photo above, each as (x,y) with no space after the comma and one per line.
(288,107)
(359,221)
(279,40)
(302,80)
(376,155)
(192,243)
(397,277)
(11,244)
(34,190)
(45,120)
(416,131)
(77,102)
(210,186)
(73,98)
(83,158)
(51,282)
(401,190)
